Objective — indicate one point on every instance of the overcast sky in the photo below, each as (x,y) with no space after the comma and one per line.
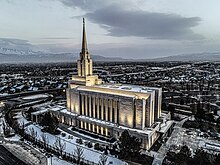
(119,28)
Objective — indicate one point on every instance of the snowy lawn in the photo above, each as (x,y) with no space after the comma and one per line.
(56,161)
(89,153)
(20,118)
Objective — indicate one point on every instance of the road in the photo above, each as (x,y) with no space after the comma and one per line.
(16,95)
(7,158)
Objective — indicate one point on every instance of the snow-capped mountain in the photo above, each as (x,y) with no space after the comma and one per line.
(9,55)
(205,56)
(10,51)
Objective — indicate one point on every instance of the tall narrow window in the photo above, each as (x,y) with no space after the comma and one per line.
(80,101)
(117,111)
(95,107)
(113,114)
(100,108)
(84,105)
(104,103)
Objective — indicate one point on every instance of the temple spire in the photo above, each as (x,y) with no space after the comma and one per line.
(84,42)
(84,64)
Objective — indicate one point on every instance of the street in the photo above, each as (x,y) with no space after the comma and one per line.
(7,158)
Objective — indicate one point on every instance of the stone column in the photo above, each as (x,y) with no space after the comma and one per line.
(83,102)
(110,108)
(106,131)
(89,127)
(115,110)
(97,131)
(143,113)
(101,103)
(102,130)
(93,128)
(106,109)
(102,109)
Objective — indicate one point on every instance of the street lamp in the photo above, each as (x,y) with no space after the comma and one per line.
(2,104)
(50,156)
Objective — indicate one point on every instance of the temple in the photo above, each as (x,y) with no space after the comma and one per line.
(107,110)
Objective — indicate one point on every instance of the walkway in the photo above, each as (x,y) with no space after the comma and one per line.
(177,132)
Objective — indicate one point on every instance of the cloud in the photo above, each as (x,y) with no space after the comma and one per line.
(15,43)
(57,38)
(87,5)
(120,22)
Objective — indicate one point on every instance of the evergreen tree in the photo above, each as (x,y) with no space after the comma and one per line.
(129,146)
(171,109)
(29,111)
(217,160)
(50,122)
(201,157)
(183,156)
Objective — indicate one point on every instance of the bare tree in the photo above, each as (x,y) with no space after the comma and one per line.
(6,129)
(15,125)
(45,140)
(78,152)
(103,159)
(22,127)
(60,146)
(33,134)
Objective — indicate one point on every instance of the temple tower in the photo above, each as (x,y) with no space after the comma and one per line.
(84,64)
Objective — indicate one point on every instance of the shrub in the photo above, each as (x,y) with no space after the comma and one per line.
(96,146)
(90,145)
(79,141)
(63,134)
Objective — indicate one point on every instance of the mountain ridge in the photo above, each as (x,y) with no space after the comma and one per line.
(10,55)
(204,56)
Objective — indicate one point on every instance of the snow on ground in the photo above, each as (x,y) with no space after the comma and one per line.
(2,120)
(56,161)
(13,138)
(70,140)
(20,118)
(46,104)
(39,96)
(89,154)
